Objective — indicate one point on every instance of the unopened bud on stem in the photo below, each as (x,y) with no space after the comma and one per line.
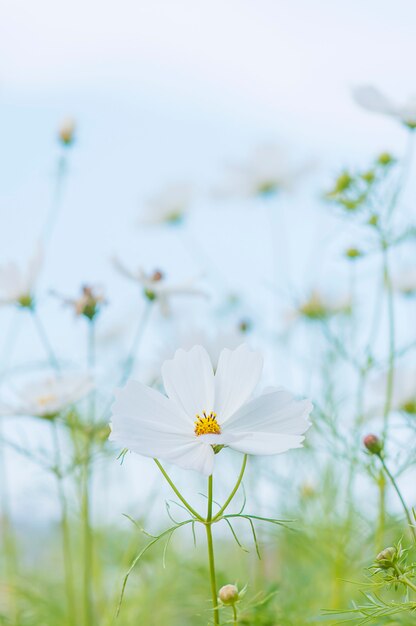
(373,444)
(387,558)
(228,594)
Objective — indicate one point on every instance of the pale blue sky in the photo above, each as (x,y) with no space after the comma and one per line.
(168,90)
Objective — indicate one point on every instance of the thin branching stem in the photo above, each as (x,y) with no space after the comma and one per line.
(234,491)
(399,494)
(178,493)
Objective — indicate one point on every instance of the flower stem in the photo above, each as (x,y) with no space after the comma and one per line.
(88,545)
(211,560)
(178,493)
(235,619)
(85,491)
(390,372)
(403,578)
(56,202)
(45,341)
(397,490)
(65,531)
(234,491)
(132,354)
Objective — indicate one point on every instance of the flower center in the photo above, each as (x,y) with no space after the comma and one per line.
(207,424)
(46,399)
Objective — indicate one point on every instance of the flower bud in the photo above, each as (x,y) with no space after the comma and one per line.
(66,133)
(373,444)
(385,159)
(228,594)
(387,557)
(353,253)
(244,326)
(373,221)
(368,176)
(343,182)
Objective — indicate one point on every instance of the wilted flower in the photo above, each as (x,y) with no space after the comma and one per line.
(157,288)
(88,304)
(17,286)
(203,411)
(48,396)
(228,594)
(373,99)
(170,206)
(269,171)
(66,133)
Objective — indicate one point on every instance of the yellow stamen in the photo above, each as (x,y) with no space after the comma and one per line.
(46,399)
(207,424)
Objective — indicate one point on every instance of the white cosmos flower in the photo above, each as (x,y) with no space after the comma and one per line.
(203,410)
(270,170)
(47,396)
(403,397)
(169,206)
(17,285)
(320,305)
(156,287)
(374,100)
(405,282)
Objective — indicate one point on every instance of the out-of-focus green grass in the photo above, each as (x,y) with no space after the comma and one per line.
(304,569)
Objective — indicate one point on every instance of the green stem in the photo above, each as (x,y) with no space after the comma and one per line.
(65,529)
(45,341)
(234,491)
(85,491)
(211,560)
(403,578)
(132,354)
(381,483)
(88,545)
(390,373)
(178,493)
(8,536)
(235,619)
(56,197)
(397,490)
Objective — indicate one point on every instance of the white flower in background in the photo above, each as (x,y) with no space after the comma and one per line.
(374,100)
(16,285)
(170,206)
(48,396)
(405,282)
(321,306)
(66,133)
(157,288)
(204,411)
(403,396)
(269,171)
(88,303)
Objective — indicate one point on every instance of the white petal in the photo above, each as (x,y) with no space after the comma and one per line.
(138,405)
(372,99)
(272,423)
(237,375)
(150,424)
(276,411)
(267,444)
(189,381)
(198,456)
